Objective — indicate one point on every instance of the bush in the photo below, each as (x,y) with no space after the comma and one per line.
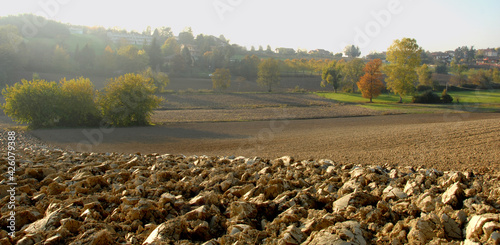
(45,104)
(347,89)
(446,98)
(426,98)
(297,89)
(128,100)
(78,107)
(37,103)
(431,98)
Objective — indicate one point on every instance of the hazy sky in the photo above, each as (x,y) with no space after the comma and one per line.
(327,24)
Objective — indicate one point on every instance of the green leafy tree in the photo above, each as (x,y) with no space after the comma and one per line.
(78,103)
(205,43)
(159,79)
(177,65)
(165,32)
(352,51)
(60,60)
(221,56)
(154,53)
(269,50)
(353,70)
(10,60)
(495,73)
(441,68)
(374,55)
(464,55)
(148,31)
(107,62)
(221,79)
(426,57)
(132,59)
(371,84)
(33,102)
(186,54)
(86,58)
(170,47)
(482,78)
(459,76)
(424,76)
(128,100)
(186,36)
(404,57)
(249,66)
(332,74)
(269,73)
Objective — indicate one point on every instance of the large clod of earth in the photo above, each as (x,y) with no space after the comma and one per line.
(108,198)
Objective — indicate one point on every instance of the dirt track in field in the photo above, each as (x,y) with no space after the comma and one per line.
(443,141)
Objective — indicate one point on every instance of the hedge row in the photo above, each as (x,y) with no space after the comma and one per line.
(431,98)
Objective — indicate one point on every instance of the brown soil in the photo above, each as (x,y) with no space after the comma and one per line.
(183,101)
(443,141)
(310,83)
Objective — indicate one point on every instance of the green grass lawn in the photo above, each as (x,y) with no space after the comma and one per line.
(485,101)
(357,98)
(483,97)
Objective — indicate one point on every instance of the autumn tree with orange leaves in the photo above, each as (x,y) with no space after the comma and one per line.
(371,84)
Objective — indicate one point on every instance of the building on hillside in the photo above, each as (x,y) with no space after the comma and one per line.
(130,38)
(489,61)
(490,58)
(490,53)
(285,51)
(75,30)
(219,42)
(320,53)
(451,53)
(193,51)
(445,57)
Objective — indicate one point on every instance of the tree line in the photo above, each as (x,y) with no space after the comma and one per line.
(53,49)
(403,74)
(129,99)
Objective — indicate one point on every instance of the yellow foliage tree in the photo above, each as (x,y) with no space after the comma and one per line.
(269,73)
(129,100)
(221,79)
(403,56)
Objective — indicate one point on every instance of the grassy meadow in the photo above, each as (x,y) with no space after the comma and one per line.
(467,101)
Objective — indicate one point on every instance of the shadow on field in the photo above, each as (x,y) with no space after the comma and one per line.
(147,135)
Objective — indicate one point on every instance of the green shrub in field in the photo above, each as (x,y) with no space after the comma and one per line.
(446,98)
(78,106)
(431,98)
(159,79)
(128,100)
(47,104)
(34,102)
(426,98)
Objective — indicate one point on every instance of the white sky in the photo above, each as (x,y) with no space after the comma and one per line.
(437,25)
